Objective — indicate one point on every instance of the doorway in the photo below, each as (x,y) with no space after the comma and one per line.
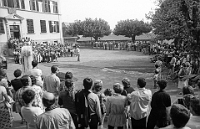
(14,31)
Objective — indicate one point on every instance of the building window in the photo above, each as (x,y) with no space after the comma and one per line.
(11,3)
(1,27)
(54,26)
(8,3)
(34,5)
(30,26)
(22,4)
(46,6)
(55,7)
(16,4)
(43,26)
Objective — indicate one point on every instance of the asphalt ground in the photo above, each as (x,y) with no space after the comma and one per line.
(110,66)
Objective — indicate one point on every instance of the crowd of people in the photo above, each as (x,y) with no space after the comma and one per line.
(44,51)
(46,102)
(146,47)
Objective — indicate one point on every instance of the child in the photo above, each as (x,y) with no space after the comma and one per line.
(97,88)
(156,78)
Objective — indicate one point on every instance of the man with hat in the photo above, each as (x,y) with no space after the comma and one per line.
(54,117)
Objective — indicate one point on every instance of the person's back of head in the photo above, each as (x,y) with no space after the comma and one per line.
(162,84)
(17,73)
(26,80)
(108,92)
(54,69)
(98,84)
(48,99)
(68,75)
(188,90)
(141,82)
(28,96)
(180,115)
(68,83)
(118,88)
(195,106)
(34,63)
(126,82)
(87,83)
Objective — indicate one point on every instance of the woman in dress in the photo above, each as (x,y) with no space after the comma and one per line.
(115,107)
(5,110)
(38,93)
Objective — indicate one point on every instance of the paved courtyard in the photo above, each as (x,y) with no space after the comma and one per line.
(109,66)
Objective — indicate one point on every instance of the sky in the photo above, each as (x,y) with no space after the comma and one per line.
(111,11)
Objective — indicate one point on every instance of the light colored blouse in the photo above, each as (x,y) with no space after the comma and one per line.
(115,107)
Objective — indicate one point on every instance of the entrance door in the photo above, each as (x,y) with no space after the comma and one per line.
(15,31)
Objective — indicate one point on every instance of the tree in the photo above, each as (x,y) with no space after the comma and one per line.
(131,28)
(178,20)
(89,28)
(75,28)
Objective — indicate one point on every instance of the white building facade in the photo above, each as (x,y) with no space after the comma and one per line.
(39,20)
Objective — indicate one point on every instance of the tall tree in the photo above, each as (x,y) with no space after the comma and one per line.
(75,28)
(89,28)
(179,20)
(95,28)
(131,28)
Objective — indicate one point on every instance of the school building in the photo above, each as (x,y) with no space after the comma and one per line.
(39,20)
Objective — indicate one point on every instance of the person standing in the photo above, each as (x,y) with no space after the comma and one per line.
(26,82)
(86,99)
(5,112)
(160,105)
(77,52)
(139,104)
(54,117)
(37,73)
(52,82)
(29,112)
(27,57)
(115,106)
(67,99)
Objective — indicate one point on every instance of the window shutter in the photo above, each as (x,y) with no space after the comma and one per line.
(50,27)
(37,6)
(22,4)
(5,2)
(58,30)
(1,27)
(43,26)
(30,26)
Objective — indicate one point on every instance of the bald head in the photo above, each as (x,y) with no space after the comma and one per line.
(48,99)
(48,96)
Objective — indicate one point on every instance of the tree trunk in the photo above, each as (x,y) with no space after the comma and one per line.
(133,38)
(96,39)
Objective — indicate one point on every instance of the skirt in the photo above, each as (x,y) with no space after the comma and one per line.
(6,118)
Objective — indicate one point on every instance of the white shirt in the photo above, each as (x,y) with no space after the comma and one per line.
(140,100)
(30,114)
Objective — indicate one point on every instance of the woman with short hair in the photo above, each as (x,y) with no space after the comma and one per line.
(115,107)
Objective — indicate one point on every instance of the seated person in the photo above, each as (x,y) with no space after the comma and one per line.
(180,116)
(29,112)
(194,121)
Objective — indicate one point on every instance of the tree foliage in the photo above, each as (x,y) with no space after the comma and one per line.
(89,28)
(179,20)
(131,28)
